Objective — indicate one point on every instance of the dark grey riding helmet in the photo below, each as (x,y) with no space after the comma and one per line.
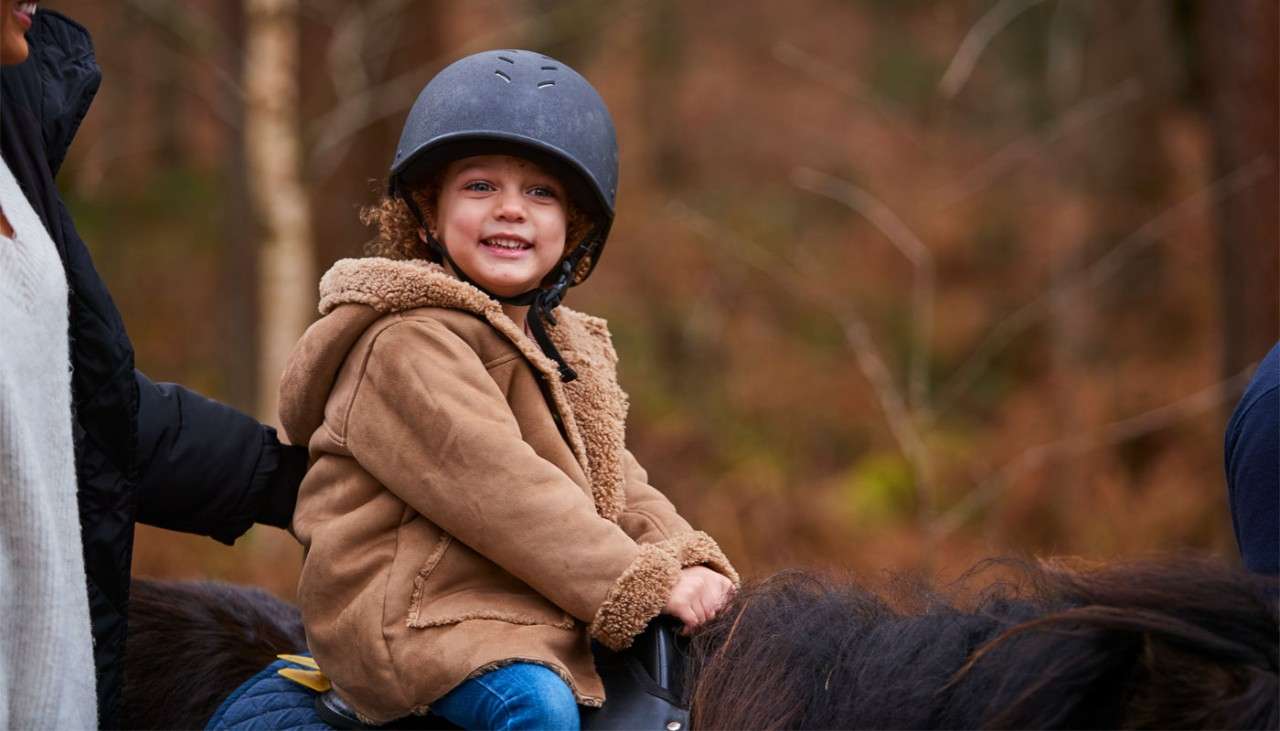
(527,104)
(522,103)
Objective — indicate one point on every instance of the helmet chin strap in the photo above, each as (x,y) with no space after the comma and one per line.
(540,301)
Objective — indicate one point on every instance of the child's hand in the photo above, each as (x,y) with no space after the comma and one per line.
(698,595)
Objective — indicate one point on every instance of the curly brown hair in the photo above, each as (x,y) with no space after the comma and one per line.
(397,229)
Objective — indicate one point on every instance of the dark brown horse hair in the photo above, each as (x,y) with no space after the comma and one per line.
(1176,643)
(191,643)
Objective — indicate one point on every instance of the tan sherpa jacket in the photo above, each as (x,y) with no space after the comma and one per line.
(466,508)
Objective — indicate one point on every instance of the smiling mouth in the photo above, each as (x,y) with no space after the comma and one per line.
(28,9)
(506,243)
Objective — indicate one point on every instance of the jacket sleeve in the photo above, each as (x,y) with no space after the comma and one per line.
(429,423)
(650,518)
(1253,476)
(206,468)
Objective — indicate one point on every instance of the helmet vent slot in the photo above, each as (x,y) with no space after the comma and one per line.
(545,84)
(504,58)
(548,68)
(502,76)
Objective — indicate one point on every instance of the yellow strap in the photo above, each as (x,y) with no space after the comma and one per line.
(300,660)
(313,679)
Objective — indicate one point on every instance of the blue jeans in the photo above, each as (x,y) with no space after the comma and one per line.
(517,696)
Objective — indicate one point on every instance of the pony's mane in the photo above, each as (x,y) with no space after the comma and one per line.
(1181,643)
(191,643)
(1176,643)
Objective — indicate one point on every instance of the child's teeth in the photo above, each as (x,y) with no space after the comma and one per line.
(505,243)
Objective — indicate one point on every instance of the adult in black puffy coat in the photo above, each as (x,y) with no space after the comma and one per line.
(150,452)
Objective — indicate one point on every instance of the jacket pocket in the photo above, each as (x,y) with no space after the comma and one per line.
(424,573)
(456,584)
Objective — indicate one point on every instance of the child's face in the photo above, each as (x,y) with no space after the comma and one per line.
(503,220)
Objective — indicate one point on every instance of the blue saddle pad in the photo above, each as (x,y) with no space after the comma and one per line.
(267,702)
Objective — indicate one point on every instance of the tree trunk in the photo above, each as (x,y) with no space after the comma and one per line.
(286,264)
(239,266)
(1239,41)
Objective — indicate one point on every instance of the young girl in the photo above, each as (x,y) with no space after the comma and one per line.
(473,518)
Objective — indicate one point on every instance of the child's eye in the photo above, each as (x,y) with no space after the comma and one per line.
(479,186)
(542,191)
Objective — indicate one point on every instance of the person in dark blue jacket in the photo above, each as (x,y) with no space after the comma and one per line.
(150,452)
(1253,468)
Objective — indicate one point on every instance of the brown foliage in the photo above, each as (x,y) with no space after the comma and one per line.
(997,326)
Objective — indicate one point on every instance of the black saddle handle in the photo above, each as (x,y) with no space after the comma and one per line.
(644,687)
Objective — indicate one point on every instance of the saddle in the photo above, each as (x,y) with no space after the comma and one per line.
(644,688)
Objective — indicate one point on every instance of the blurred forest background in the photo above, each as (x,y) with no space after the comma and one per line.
(895,284)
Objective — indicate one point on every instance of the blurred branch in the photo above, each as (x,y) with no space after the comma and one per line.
(196,39)
(385,16)
(976,41)
(109,146)
(786,274)
(1111,434)
(333,131)
(202,33)
(222,107)
(846,83)
(911,247)
(1106,266)
(349,47)
(324,11)
(1064,66)
(345,54)
(1073,120)
(200,40)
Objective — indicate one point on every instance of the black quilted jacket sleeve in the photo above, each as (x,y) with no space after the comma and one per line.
(204,467)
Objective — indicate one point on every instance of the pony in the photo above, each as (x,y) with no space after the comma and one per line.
(1175,643)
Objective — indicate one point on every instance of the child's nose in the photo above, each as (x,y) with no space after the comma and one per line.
(510,207)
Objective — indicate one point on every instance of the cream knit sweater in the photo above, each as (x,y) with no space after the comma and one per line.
(46,650)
